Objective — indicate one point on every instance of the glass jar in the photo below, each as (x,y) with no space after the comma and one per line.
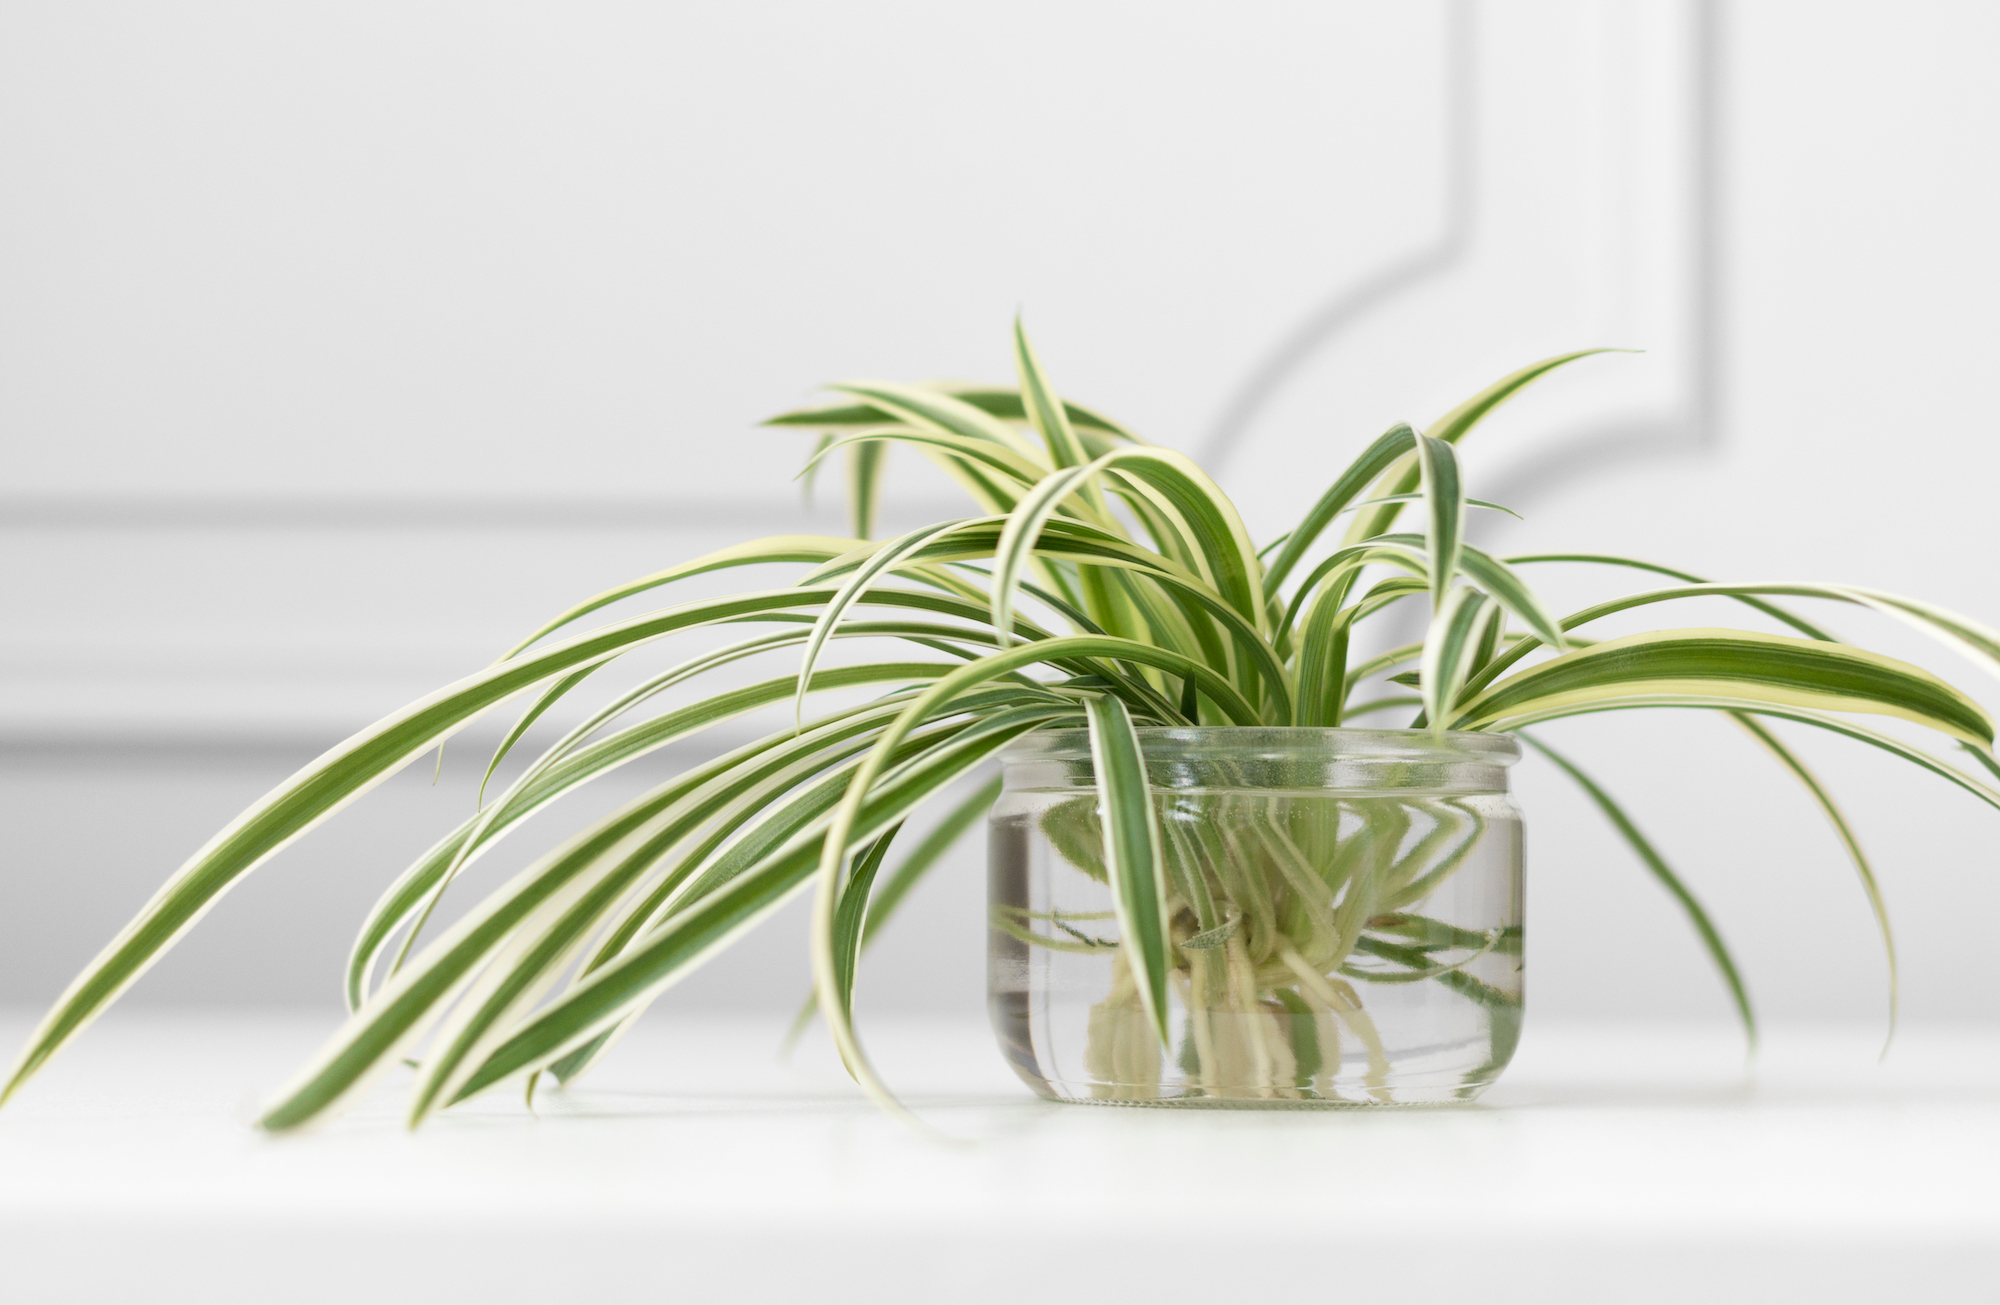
(1345,909)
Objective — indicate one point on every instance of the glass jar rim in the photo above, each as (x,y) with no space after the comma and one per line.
(1274,741)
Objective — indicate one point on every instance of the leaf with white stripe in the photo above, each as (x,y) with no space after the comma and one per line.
(1132,855)
(1499,581)
(1649,856)
(994,401)
(1444,501)
(1458,629)
(1852,844)
(758,552)
(884,561)
(940,412)
(1389,448)
(1455,426)
(1737,666)
(1044,410)
(866,461)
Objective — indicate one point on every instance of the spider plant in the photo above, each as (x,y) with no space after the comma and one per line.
(1103,583)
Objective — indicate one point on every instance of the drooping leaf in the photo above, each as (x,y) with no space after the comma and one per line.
(1417,498)
(941,412)
(1732,667)
(550,696)
(1804,627)
(881,562)
(565,771)
(552,890)
(692,936)
(1649,856)
(1158,612)
(758,552)
(994,474)
(1798,769)
(926,854)
(850,915)
(994,401)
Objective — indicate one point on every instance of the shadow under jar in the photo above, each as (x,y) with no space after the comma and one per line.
(1345,908)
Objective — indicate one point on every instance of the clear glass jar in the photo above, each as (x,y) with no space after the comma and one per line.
(1345,906)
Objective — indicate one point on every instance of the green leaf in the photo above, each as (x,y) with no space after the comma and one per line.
(1818,720)
(1790,761)
(1417,498)
(1391,446)
(940,412)
(1023,531)
(1210,939)
(993,474)
(1711,937)
(396,905)
(851,913)
(1979,644)
(1132,852)
(865,461)
(1507,588)
(1338,571)
(691,936)
(361,960)
(881,562)
(365,760)
(1949,629)
(1804,627)
(1458,630)
(1212,525)
(1444,496)
(553,694)
(748,821)
(1075,541)
(1455,426)
(992,400)
(1323,680)
(541,915)
(841,832)
(562,770)
(928,851)
(1381,662)
(1492,575)
(810,472)
(1985,759)
(1043,409)
(1321,658)
(1728,668)
(758,552)
(1745,593)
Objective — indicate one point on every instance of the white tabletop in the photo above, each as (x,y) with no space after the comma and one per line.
(1612,1164)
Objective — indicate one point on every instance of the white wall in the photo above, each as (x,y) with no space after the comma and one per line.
(340,344)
